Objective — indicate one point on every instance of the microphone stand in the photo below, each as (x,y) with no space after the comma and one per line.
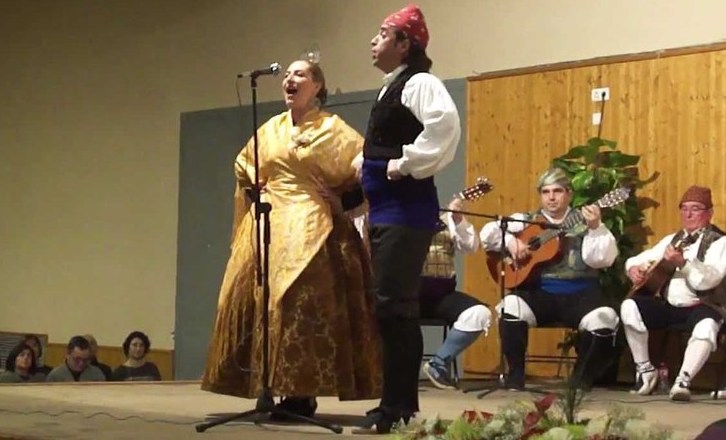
(265,401)
(503,226)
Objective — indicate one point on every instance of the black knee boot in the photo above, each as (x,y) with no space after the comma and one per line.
(514,336)
(402,352)
(595,353)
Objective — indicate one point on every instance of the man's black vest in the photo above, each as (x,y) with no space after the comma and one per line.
(391,125)
(710,234)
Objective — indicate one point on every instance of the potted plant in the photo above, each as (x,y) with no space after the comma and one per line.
(595,169)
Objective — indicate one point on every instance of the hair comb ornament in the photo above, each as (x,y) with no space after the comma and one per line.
(311,55)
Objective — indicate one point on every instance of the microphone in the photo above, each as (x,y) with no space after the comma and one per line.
(273,70)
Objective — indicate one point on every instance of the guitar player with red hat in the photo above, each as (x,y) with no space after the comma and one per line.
(696,269)
(562,290)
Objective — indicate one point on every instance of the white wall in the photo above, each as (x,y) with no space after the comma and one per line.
(90,97)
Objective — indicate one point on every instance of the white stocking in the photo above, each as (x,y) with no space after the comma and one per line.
(635,331)
(695,357)
(638,342)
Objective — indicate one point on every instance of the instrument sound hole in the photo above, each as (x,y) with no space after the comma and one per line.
(534,243)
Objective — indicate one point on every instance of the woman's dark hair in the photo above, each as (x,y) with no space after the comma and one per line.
(37,342)
(318,77)
(416,57)
(15,352)
(133,335)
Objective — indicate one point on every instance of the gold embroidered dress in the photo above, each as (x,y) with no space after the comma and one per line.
(323,339)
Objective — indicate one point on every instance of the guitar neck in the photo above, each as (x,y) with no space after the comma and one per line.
(460,195)
(547,235)
(576,218)
(573,219)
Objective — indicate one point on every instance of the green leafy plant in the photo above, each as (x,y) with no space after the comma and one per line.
(541,419)
(595,169)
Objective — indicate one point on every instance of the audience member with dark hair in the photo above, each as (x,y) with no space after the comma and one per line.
(137,368)
(20,366)
(77,366)
(105,369)
(33,341)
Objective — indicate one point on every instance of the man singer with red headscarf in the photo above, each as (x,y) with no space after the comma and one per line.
(412,134)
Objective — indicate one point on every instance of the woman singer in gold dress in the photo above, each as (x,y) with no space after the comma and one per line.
(323,340)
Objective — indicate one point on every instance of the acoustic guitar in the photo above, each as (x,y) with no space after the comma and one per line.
(543,244)
(660,272)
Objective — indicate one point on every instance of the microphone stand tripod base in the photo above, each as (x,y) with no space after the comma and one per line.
(266,405)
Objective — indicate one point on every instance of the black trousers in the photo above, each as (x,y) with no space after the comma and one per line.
(592,350)
(659,314)
(397,255)
(565,309)
(448,306)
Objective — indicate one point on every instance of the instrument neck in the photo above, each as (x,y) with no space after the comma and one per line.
(572,218)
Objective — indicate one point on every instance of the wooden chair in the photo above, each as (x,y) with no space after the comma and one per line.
(563,358)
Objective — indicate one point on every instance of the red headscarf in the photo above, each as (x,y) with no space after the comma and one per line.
(410,20)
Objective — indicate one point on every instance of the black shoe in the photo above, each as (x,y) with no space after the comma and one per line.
(514,383)
(302,406)
(383,420)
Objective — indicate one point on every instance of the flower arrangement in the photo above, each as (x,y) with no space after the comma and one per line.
(543,419)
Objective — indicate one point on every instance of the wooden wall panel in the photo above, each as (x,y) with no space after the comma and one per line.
(669,107)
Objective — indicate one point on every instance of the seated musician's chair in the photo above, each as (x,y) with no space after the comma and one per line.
(563,358)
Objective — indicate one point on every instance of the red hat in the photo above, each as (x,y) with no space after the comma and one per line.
(410,20)
(700,194)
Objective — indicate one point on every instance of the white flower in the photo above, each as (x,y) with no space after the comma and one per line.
(298,138)
(637,428)
(495,425)
(597,426)
(558,434)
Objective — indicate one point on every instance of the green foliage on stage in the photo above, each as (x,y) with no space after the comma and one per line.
(596,168)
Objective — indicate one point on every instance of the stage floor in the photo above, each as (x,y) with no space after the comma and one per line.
(171,410)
